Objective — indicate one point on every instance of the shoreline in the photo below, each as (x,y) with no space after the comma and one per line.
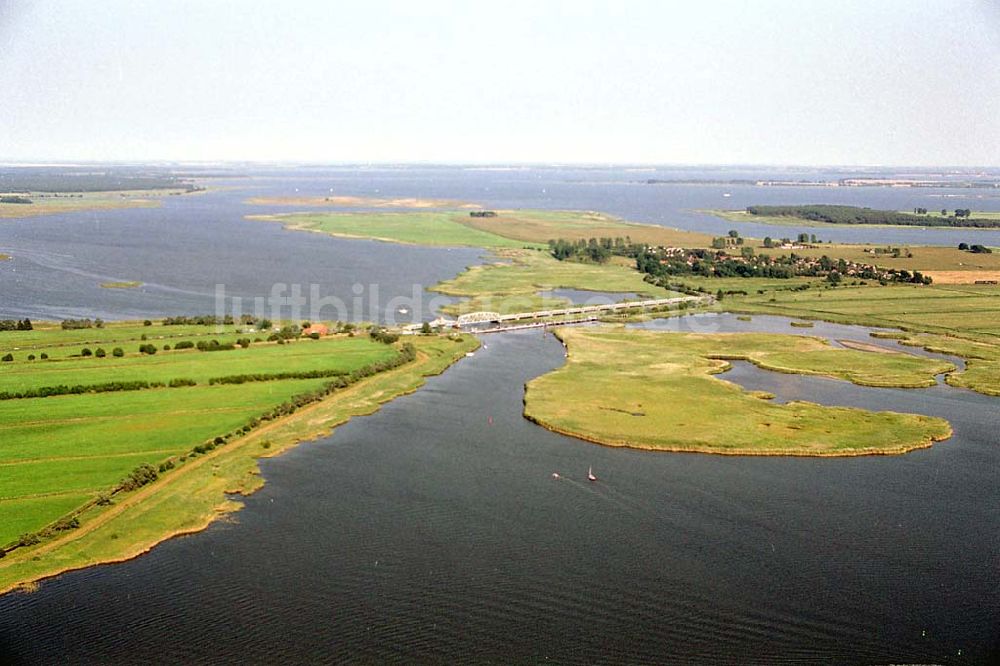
(212,490)
(772,453)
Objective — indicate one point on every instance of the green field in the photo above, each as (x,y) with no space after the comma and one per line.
(326,354)
(444,228)
(54,341)
(193,494)
(513,285)
(58,452)
(653,390)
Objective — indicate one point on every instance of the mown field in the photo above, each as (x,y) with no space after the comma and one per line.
(59,452)
(654,390)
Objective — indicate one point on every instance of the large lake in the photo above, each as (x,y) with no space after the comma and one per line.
(432,531)
(184,249)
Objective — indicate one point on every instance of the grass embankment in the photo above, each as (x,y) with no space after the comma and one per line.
(651,390)
(514,285)
(52,203)
(189,497)
(65,450)
(443,228)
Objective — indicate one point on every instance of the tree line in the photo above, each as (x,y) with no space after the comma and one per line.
(833,214)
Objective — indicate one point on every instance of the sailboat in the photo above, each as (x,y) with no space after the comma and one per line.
(590,474)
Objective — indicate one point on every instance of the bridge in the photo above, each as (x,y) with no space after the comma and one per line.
(575,311)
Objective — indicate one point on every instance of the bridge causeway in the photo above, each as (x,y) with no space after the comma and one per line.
(581,312)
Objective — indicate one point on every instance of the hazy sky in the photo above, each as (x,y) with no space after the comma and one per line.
(772,81)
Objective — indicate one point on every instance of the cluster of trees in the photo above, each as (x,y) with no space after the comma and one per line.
(16,325)
(801,238)
(215,345)
(597,250)
(14,199)
(200,320)
(382,335)
(276,376)
(482,213)
(709,263)
(832,214)
(142,475)
(76,324)
(975,248)
(63,389)
(287,332)
(147,349)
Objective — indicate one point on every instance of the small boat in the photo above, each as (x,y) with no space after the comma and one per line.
(590,474)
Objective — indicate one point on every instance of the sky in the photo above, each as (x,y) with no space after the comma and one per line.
(805,82)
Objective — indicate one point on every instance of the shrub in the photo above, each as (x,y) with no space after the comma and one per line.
(117,352)
(184,344)
(31,357)
(28,539)
(138,477)
(176,383)
(44,356)
(147,323)
(86,352)
(147,349)
(166,347)
(100,353)
(8,358)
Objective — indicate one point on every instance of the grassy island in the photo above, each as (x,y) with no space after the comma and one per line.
(33,204)
(127,448)
(657,391)
(340,201)
(128,284)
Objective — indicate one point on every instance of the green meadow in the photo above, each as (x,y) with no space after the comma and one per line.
(658,391)
(57,453)
(442,228)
